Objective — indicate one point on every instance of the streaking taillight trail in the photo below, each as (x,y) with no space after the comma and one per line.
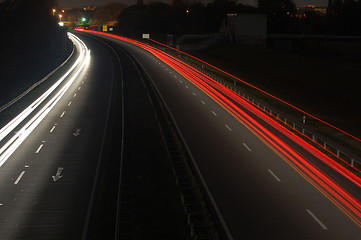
(256,120)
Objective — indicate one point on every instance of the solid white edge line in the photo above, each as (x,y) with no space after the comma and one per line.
(316,219)
(218,212)
(274,175)
(19,178)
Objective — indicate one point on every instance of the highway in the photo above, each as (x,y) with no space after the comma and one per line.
(260,194)
(47,183)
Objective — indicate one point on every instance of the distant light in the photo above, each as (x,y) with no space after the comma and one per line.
(187,11)
(83,19)
(61,24)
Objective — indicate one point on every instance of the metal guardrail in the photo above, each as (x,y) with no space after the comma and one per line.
(300,127)
(32,87)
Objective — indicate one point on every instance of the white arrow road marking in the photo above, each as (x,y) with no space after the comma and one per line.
(77,132)
(19,178)
(58,174)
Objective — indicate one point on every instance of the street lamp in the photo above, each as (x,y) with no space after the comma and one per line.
(54,10)
(60,16)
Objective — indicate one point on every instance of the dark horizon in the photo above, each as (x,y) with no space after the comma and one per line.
(78,3)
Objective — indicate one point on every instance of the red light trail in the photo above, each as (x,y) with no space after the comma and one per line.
(252,116)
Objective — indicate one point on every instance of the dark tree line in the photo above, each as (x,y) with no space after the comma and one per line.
(27,33)
(178,18)
(181,18)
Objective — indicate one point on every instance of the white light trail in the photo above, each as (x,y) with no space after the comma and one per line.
(10,146)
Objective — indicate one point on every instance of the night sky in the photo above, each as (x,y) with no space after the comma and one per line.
(76,3)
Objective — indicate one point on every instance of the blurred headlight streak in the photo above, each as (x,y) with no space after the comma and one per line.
(11,145)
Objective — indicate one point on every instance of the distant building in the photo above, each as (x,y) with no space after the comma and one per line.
(246,28)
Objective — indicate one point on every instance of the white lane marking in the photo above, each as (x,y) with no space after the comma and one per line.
(203,103)
(79,88)
(62,114)
(19,178)
(74,94)
(1,204)
(194,94)
(52,129)
(39,148)
(27,166)
(187,87)
(180,81)
(245,145)
(228,127)
(69,103)
(175,76)
(82,82)
(274,175)
(214,114)
(316,219)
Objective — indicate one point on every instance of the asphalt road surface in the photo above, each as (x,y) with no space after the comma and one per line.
(46,185)
(259,195)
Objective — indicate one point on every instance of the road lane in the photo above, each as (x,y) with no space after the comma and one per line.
(254,205)
(37,206)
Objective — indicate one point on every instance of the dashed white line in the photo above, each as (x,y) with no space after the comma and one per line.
(194,94)
(245,145)
(274,175)
(175,76)
(316,219)
(203,103)
(62,114)
(39,148)
(19,178)
(74,94)
(52,129)
(180,81)
(82,82)
(79,88)
(69,103)
(1,204)
(228,127)
(187,87)
(215,114)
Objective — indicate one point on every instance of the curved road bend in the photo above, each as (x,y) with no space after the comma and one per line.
(66,145)
(259,195)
